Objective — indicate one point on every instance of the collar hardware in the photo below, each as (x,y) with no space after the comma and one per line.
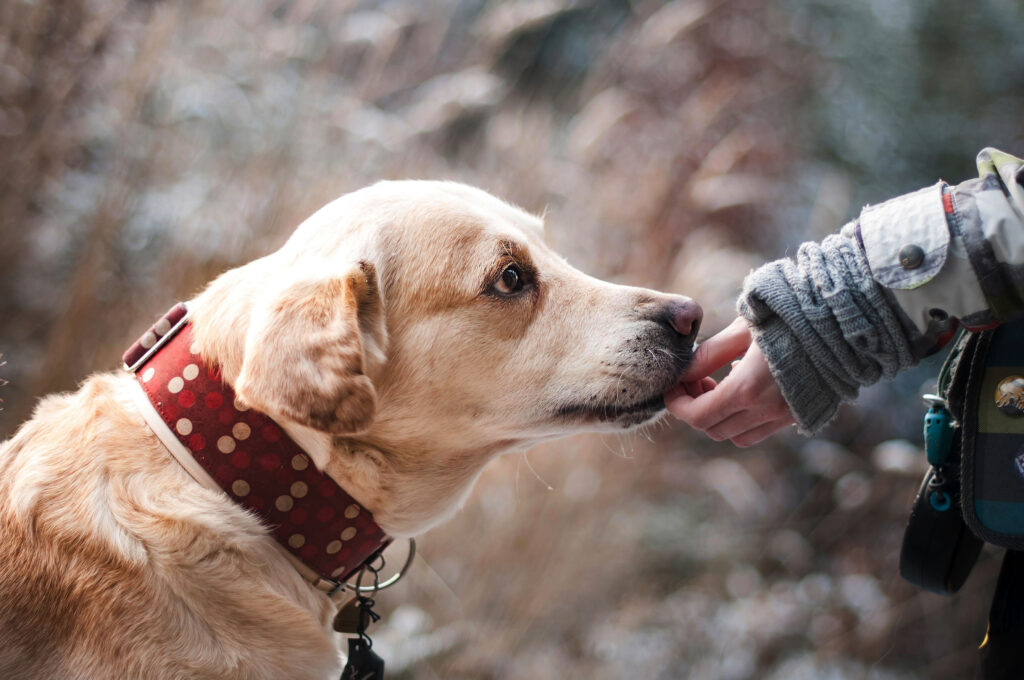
(150,342)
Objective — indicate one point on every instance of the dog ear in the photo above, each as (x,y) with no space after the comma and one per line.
(306,352)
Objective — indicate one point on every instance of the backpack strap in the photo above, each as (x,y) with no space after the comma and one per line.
(1002,655)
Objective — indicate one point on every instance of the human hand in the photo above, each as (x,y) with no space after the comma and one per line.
(746,407)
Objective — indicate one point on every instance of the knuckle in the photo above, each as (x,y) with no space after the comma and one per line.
(680,408)
(717,435)
(744,440)
(701,422)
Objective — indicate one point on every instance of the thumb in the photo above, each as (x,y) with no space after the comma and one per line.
(718,350)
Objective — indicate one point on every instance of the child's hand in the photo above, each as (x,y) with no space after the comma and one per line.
(746,406)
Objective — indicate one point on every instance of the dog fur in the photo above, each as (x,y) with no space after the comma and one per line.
(385,340)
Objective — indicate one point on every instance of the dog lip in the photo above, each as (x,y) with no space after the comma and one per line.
(613,412)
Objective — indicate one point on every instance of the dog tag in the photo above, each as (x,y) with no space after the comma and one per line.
(351,618)
(363,663)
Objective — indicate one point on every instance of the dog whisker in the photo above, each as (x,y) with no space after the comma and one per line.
(539,478)
(519,462)
(620,441)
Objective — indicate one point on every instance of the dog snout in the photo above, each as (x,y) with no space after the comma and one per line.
(681,314)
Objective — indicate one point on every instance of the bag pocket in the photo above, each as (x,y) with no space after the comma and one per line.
(992,463)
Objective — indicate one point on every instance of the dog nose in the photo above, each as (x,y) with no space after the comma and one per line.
(674,312)
(683,315)
(680,313)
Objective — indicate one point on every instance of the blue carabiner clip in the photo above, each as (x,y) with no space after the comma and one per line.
(938,431)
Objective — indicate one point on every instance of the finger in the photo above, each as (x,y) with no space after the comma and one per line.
(762,432)
(718,350)
(678,390)
(709,409)
(757,412)
(699,387)
(740,422)
(679,402)
(694,388)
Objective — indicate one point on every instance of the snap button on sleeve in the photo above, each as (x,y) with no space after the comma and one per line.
(906,239)
(911,256)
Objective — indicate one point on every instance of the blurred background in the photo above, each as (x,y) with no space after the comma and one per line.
(147,146)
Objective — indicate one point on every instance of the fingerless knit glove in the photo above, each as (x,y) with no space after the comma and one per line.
(825,327)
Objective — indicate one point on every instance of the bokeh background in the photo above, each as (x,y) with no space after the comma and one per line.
(147,146)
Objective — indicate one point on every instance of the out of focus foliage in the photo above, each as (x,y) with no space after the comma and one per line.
(903,92)
(147,146)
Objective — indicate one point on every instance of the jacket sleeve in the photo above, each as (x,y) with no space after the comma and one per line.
(890,288)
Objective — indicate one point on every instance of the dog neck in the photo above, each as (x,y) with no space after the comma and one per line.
(410,492)
(409,489)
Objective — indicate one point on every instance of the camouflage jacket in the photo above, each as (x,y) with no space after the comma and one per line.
(955,252)
(890,288)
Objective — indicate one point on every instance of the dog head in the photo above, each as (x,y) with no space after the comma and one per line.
(416,329)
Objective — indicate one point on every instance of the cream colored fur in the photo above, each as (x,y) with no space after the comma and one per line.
(378,336)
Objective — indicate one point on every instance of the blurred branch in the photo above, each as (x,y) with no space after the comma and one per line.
(127,176)
(2,381)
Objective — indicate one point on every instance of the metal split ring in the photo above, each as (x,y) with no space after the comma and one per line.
(358,587)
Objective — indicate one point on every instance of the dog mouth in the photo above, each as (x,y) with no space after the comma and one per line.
(637,396)
(629,389)
(626,415)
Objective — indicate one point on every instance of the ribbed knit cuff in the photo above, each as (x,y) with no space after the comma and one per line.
(813,403)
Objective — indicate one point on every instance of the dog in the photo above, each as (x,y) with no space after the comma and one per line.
(403,336)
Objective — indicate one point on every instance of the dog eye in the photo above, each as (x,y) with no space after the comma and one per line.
(511,280)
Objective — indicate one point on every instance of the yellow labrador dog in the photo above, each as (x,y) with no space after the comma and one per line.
(405,335)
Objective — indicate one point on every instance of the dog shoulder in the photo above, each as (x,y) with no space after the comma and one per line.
(102,535)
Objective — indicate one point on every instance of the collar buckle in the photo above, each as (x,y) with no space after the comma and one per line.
(156,337)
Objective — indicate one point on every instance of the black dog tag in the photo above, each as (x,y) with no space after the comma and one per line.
(353,618)
(363,663)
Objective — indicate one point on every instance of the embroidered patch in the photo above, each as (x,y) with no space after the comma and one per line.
(1010,396)
(1018,462)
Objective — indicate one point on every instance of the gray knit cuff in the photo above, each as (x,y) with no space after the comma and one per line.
(813,403)
(825,327)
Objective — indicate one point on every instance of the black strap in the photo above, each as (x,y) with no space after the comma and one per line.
(1002,653)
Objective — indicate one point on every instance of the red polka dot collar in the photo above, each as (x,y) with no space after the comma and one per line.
(225,445)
